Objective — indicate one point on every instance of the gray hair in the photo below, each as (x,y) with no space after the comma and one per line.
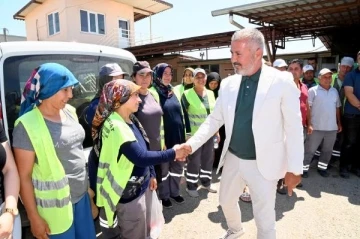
(254,36)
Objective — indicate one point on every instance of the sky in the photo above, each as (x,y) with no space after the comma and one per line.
(187,18)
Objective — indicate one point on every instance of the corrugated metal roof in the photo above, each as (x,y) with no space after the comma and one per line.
(299,18)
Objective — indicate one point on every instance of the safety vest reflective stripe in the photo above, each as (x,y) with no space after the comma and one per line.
(104,165)
(50,203)
(114,185)
(199,116)
(106,196)
(50,185)
(99,180)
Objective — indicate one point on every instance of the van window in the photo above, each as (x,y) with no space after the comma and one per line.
(17,70)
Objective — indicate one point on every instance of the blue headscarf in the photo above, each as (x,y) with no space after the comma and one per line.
(44,82)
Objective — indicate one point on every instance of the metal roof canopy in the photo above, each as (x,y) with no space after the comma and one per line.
(216,40)
(282,20)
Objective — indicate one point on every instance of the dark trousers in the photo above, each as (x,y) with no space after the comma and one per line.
(93,164)
(200,166)
(350,151)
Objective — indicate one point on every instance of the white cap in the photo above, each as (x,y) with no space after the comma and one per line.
(347,61)
(324,71)
(307,68)
(199,70)
(279,63)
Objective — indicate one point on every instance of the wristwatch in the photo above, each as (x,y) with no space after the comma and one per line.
(13,211)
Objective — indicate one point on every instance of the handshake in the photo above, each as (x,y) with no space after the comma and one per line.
(182,151)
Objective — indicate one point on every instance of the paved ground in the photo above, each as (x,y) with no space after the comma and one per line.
(326,208)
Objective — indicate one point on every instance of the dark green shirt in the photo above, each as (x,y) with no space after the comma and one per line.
(242,142)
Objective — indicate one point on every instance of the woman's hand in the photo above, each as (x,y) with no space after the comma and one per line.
(153,184)
(39,228)
(6,225)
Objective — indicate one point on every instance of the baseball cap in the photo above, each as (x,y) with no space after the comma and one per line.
(307,68)
(141,67)
(111,69)
(279,63)
(324,71)
(347,61)
(199,70)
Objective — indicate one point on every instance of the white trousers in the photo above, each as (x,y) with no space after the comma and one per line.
(236,174)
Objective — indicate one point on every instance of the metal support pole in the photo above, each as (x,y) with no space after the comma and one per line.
(231,20)
(150,29)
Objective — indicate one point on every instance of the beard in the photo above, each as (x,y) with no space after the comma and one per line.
(244,70)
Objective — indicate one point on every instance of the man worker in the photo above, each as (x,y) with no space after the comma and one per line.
(350,151)
(308,77)
(260,109)
(325,106)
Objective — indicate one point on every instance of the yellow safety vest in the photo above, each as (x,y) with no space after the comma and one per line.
(113,173)
(154,93)
(179,91)
(196,110)
(51,186)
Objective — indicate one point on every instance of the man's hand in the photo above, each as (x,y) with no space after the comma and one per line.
(153,184)
(309,129)
(182,151)
(291,181)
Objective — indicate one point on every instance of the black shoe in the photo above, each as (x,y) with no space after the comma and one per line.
(178,199)
(282,190)
(344,173)
(323,173)
(166,203)
(305,175)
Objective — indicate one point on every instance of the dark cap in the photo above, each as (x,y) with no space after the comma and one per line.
(141,67)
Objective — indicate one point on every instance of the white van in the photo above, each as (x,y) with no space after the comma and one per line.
(18,59)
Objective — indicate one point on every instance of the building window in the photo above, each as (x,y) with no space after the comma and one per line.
(53,23)
(92,22)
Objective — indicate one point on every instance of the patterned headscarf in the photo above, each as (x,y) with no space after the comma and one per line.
(44,82)
(114,94)
(158,84)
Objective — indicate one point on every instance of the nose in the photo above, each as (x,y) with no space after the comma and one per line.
(70,92)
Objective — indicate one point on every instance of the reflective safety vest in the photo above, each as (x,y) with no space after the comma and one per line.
(113,172)
(196,111)
(51,186)
(154,93)
(179,91)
